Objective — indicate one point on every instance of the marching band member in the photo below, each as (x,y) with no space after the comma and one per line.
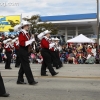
(8,51)
(53,55)
(2,88)
(45,52)
(24,43)
(1,49)
(16,45)
(57,52)
(17,28)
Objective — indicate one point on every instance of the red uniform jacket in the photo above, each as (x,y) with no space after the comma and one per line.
(8,49)
(52,49)
(16,46)
(45,44)
(23,37)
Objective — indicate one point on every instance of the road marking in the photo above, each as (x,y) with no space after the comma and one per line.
(69,77)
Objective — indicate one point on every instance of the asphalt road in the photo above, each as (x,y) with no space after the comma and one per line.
(74,82)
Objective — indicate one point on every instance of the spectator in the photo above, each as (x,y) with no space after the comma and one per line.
(89,49)
(63,57)
(71,58)
(39,58)
(97,57)
(80,58)
(90,59)
(33,57)
(93,50)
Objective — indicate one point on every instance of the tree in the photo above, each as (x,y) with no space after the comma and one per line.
(38,28)
(12,23)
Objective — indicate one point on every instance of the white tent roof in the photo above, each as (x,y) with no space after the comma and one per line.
(81,39)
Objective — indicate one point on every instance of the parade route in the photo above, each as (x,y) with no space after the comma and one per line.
(74,82)
(67,71)
(50,50)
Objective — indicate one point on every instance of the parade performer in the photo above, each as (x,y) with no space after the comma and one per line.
(57,52)
(8,51)
(45,52)
(2,88)
(24,43)
(53,55)
(1,49)
(16,45)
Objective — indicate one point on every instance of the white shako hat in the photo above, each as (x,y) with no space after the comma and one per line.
(17,28)
(56,39)
(16,38)
(47,32)
(13,40)
(12,36)
(5,41)
(23,23)
(9,39)
(52,38)
(40,36)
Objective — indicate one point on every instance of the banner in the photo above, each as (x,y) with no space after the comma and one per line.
(5,24)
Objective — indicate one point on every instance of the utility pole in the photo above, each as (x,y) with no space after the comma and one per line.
(97,24)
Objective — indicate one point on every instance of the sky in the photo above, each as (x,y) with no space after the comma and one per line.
(46,7)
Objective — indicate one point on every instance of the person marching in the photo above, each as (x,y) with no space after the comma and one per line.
(16,45)
(53,55)
(57,52)
(45,52)
(8,51)
(24,43)
(2,88)
(1,49)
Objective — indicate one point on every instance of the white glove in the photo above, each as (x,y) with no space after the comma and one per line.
(3,51)
(29,42)
(51,45)
(17,43)
(7,45)
(32,40)
(40,36)
(11,45)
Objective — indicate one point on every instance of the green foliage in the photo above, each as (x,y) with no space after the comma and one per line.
(12,23)
(38,28)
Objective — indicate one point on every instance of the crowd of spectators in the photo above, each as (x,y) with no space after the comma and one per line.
(69,53)
(80,53)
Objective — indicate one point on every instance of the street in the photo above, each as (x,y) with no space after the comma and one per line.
(74,82)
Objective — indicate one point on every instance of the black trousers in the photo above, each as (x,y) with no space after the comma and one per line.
(17,64)
(8,60)
(47,62)
(2,87)
(0,58)
(25,66)
(54,59)
(58,59)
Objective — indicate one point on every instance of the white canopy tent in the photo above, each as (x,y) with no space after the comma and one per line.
(81,39)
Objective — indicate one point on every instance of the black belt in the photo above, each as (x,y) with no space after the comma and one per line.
(23,47)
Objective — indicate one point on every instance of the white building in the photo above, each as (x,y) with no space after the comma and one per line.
(73,25)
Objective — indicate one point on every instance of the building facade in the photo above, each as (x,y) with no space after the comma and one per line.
(73,25)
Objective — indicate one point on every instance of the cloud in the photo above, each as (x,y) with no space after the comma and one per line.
(49,7)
